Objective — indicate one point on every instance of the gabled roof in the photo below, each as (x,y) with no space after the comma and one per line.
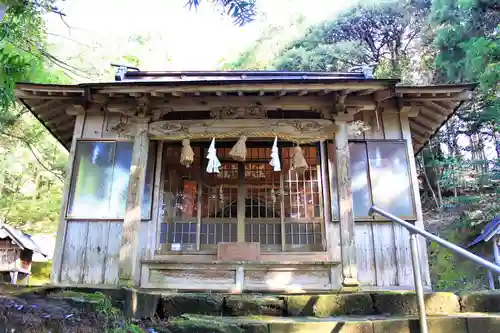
(491,229)
(21,239)
(234,76)
(48,102)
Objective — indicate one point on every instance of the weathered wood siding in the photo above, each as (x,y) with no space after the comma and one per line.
(91,251)
(90,248)
(227,276)
(383,248)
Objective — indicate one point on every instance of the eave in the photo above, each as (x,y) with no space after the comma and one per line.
(433,104)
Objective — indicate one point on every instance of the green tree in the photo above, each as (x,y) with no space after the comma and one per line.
(32,162)
(241,11)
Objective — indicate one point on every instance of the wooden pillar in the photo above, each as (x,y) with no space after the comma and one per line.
(241,203)
(129,263)
(346,215)
(406,112)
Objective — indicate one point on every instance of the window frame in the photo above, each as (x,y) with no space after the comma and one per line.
(284,248)
(377,217)
(152,149)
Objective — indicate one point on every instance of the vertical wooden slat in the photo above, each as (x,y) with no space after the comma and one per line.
(282,210)
(111,120)
(405,129)
(365,254)
(129,268)
(347,237)
(392,130)
(199,194)
(384,248)
(95,252)
(62,228)
(73,260)
(153,230)
(331,236)
(325,193)
(382,254)
(392,125)
(113,253)
(241,203)
(93,127)
(143,239)
(403,256)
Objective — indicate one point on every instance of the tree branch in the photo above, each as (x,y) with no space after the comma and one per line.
(33,153)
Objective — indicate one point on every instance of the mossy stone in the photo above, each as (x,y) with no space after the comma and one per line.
(248,305)
(484,324)
(406,303)
(329,305)
(322,327)
(435,325)
(180,325)
(480,301)
(177,304)
(254,328)
(139,305)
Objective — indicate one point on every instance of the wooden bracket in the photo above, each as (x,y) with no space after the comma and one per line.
(159,113)
(143,106)
(381,95)
(75,109)
(410,108)
(346,113)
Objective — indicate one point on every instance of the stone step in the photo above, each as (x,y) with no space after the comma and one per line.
(463,323)
(174,305)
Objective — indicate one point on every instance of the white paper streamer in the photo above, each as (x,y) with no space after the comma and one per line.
(213,162)
(275,158)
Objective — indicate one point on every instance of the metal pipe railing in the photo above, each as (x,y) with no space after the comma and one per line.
(454,248)
(415,259)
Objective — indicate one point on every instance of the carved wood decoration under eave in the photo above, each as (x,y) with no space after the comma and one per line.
(229,112)
(296,130)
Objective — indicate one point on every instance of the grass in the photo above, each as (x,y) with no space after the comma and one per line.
(115,322)
(40,273)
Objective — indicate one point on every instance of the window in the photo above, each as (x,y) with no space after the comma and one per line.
(100,181)
(380,176)
(277,206)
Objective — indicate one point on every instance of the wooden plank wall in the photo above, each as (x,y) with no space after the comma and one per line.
(91,248)
(382,248)
(91,251)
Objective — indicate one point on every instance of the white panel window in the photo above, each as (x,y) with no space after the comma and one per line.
(100,180)
(380,176)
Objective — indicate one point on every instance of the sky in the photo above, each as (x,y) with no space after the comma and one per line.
(179,39)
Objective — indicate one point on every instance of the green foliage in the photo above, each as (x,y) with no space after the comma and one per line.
(422,41)
(363,34)
(40,273)
(241,11)
(449,272)
(325,57)
(32,162)
(263,52)
(113,317)
(466,38)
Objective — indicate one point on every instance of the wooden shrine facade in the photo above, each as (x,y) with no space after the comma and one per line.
(136,210)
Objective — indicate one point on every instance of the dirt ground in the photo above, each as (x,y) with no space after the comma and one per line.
(35,313)
(33,310)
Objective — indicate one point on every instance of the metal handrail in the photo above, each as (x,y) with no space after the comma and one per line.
(417,274)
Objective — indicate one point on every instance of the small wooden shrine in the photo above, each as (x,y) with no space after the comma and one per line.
(240,180)
(16,253)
